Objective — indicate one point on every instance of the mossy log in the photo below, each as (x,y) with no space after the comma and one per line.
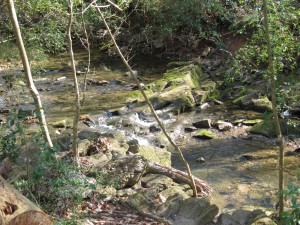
(16,209)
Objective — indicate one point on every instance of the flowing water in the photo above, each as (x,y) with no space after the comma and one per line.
(241,168)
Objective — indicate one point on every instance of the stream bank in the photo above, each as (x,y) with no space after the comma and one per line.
(240,166)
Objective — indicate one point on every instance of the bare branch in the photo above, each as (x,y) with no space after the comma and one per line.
(114,5)
(83,11)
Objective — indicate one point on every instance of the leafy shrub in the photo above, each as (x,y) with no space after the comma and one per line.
(292,216)
(284,30)
(11,135)
(179,21)
(59,184)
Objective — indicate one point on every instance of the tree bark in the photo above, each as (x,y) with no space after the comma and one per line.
(77,101)
(184,162)
(274,110)
(30,84)
(16,209)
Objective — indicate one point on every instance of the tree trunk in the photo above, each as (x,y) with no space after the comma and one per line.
(33,91)
(77,101)
(274,110)
(16,209)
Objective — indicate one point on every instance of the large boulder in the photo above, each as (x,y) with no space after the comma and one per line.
(244,217)
(194,211)
(262,104)
(169,200)
(179,90)
(267,128)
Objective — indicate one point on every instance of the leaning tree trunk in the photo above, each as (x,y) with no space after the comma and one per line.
(184,162)
(274,109)
(77,101)
(33,91)
(16,209)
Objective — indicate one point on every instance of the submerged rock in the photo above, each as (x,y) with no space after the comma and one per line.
(206,123)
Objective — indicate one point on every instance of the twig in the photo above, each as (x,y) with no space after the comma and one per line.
(151,216)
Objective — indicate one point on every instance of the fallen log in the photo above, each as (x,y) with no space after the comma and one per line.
(128,171)
(16,209)
(203,189)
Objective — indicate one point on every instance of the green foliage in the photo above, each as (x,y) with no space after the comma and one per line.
(292,216)
(12,135)
(59,186)
(59,183)
(285,96)
(284,30)
(9,51)
(180,21)
(42,26)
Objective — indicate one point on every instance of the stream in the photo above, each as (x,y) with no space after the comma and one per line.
(240,167)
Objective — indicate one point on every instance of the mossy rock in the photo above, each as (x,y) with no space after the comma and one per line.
(267,128)
(174,89)
(138,96)
(189,75)
(251,122)
(159,85)
(262,105)
(159,103)
(183,103)
(204,134)
(160,156)
(179,99)
(200,96)
(209,86)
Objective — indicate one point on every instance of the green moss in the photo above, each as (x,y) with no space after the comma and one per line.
(187,74)
(267,128)
(208,86)
(252,122)
(159,103)
(262,104)
(158,85)
(156,155)
(183,104)
(137,96)
(205,134)
(238,101)
(215,95)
